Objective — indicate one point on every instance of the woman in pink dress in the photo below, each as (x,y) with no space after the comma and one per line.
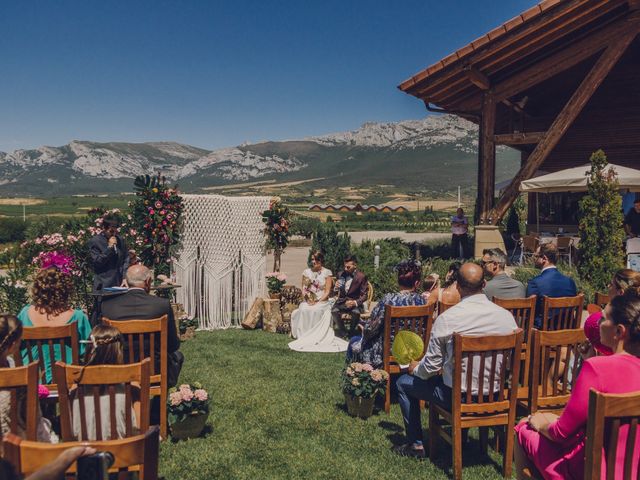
(553,447)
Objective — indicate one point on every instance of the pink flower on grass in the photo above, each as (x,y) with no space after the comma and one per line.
(175,398)
(367,368)
(357,367)
(201,394)
(187,394)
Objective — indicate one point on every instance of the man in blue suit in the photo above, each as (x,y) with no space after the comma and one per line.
(550,282)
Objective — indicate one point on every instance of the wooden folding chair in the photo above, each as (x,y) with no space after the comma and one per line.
(96,384)
(443,307)
(530,244)
(12,381)
(555,359)
(46,346)
(602,299)
(612,422)
(417,319)
(524,312)
(139,453)
(144,339)
(562,313)
(494,405)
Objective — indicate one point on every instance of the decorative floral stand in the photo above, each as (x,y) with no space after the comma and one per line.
(359,406)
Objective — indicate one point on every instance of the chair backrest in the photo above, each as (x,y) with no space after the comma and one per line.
(602,299)
(523,311)
(612,423)
(564,242)
(497,357)
(443,307)
(555,358)
(562,313)
(20,385)
(140,452)
(144,339)
(47,345)
(418,319)
(530,243)
(103,386)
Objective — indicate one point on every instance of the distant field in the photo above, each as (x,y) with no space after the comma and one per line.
(59,206)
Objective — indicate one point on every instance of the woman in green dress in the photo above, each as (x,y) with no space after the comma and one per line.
(50,307)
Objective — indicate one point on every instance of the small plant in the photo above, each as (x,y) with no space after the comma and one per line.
(186,322)
(362,380)
(187,400)
(275,281)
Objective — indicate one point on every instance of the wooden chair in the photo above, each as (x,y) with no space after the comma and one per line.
(139,453)
(612,418)
(562,313)
(443,307)
(554,367)
(96,383)
(524,312)
(417,319)
(602,299)
(530,244)
(49,343)
(12,380)
(499,354)
(565,248)
(366,310)
(152,334)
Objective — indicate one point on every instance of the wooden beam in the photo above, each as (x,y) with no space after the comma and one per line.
(518,138)
(486,157)
(478,78)
(563,121)
(562,60)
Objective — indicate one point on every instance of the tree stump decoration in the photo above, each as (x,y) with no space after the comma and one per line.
(254,315)
(272,316)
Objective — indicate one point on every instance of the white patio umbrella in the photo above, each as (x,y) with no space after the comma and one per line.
(575,180)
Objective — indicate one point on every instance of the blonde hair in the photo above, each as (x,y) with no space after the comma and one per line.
(625,278)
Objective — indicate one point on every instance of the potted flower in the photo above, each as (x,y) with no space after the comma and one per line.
(275,282)
(360,385)
(188,409)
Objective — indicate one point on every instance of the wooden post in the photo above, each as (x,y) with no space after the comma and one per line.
(563,121)
(486,158)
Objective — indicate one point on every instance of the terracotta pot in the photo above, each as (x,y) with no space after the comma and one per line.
(189,427)
(359,406)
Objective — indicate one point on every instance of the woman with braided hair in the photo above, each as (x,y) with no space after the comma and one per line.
(105,348)
(553,447)
(10,335)
(51,298)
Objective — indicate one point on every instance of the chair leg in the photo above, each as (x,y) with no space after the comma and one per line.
(387,396)
(456,436)
(507,461)
(163,418)
(434,431)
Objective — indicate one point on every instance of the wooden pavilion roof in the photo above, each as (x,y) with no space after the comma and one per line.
(517,53)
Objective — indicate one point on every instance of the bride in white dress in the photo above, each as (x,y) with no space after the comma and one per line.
(311,322)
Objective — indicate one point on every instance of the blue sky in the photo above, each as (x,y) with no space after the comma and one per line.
(215,74)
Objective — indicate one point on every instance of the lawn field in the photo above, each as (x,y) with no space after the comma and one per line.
(276,413)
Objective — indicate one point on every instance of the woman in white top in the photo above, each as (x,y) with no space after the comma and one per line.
(311,322)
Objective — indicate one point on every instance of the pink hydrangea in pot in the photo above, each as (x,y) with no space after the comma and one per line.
(361,383)
(188,409)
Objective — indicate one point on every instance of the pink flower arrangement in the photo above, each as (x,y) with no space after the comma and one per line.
(275,281)
(59,260)
(362,380)
(187,399)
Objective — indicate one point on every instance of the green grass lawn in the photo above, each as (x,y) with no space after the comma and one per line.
(276,413)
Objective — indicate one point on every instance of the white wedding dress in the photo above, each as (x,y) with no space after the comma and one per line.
(311,324)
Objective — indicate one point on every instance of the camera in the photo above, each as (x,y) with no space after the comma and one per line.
(95,467)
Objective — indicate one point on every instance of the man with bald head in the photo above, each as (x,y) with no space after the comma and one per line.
(137,304)
(431,378)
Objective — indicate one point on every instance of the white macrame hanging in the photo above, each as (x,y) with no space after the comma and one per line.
(221,263)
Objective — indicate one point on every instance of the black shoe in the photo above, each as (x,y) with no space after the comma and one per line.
(407,450)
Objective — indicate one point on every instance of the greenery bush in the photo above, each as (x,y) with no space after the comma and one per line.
(304,226)
(333,245)
(600,225)
(392,252)
(12,229)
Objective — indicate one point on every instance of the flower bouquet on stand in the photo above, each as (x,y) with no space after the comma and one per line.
(275,282)
(188,409)
(360,385)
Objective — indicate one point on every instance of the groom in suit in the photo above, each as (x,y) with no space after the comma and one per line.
(108,255)
(352,287)
(550,282)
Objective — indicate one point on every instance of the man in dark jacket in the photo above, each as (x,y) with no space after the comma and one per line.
(137,304)
(108,255)
(352,287)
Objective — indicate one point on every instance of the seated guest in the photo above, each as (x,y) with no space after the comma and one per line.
(352,288)
(51,298)
(367,348)
(554,447)
(431,378)
(550,282)
(105,348)
(500,284)
(10,335)
(430,288)
(137,304)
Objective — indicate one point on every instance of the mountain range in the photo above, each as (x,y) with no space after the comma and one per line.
(433,153)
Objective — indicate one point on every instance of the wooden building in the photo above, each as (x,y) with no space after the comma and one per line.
(557,82)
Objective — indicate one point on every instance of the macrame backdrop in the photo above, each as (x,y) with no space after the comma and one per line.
(222,263)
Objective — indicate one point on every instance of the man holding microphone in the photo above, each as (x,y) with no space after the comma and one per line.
(108,255)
